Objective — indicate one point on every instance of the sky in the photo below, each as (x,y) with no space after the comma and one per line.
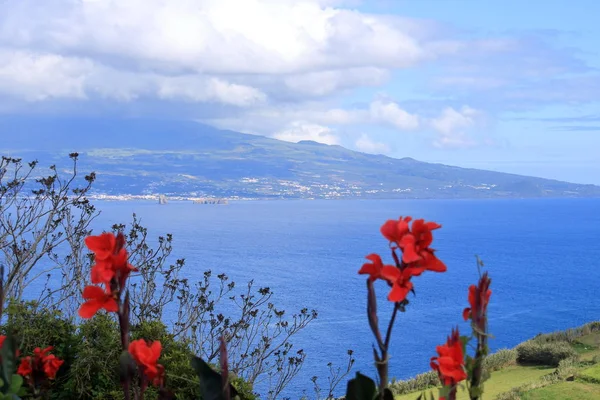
(506,85)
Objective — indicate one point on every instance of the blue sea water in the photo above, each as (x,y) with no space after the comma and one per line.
(542,255)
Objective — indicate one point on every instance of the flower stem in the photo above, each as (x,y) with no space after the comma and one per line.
(124,328)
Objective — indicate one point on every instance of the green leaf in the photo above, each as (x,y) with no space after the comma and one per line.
(475,391)
(387,394)
(211,383)
(9,361)
(361,388)
(15,383)
(444,391)
(426,396)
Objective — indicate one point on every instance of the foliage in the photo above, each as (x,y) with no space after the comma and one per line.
(568,335)
(591,375)
(91,353)
(493,362)
(563,391)
(500,359)
(44,217)
(416,384)
(542,352)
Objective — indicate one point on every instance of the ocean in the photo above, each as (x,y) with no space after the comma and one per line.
(542,255)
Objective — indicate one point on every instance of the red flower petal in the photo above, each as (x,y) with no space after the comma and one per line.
(466,313)
(102,272)
(390,273)
(388,230)
(432,263)
(409,252)
(373,269)
(90,308)
(399,292)
(103,245)
(93,292)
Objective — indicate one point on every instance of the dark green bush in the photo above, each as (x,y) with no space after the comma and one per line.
(535,352)
(91,353)
(94,373)
(36,327)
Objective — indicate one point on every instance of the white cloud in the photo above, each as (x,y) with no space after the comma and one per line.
(365,144)
(196,89)
(274,61)
(41,76)
(331,81)
(35,77)
(453,127)
(298,130)
(450,120)
(205,50)
(391,113)
(213,36)
(274,118)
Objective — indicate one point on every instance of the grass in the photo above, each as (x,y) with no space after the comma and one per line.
(565,391)
(591,375)
(588,346)
(592,340)
(500,381)
(586,386)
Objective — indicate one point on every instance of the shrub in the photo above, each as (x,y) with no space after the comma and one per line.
(176,359)
(94,374)
(567,367)
(569,335)
(418,383)
(40,327)
(500,359)
(493,362)
(535,352)
(91,353)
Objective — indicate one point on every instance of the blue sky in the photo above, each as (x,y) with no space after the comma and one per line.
(505,85)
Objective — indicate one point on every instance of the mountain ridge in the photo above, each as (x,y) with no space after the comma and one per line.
(186,158)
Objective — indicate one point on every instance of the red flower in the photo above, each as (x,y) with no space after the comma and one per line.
(393,230)
(97,299)
(450,361)
(415,245)
(41,361)
(400,281)
(479,297)
(2,339)
(414,242)
(111,258)
(25,368)
(146,355)
(103,246)
(373,268)
(51,365)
